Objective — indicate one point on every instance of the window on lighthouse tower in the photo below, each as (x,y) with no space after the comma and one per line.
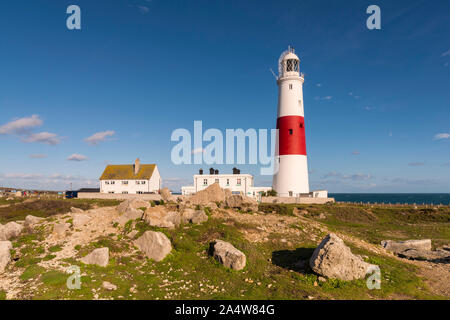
(292,65)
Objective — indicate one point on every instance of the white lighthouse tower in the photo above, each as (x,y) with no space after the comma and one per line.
(291,167)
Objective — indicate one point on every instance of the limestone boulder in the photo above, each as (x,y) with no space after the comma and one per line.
(60,229)
(198,217)
(131,209)
(438,256)
(10,230)
(76,210)
(244,203)
(109,286)
(400,246)
(31,221)
(159,216)
(155,245)
(166,194)
(5,254)
(214,193)
(333,259)
(228,255)
(99,256)
(79,220)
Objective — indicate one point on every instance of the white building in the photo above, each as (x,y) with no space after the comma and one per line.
(238,183)
(134,178)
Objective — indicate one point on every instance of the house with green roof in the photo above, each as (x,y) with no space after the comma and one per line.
(134,178)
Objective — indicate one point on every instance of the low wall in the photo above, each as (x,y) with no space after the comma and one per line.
(295,200)
(118,196)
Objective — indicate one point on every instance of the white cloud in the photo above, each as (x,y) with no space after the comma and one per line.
(416,164)
(38,156)
(43,137)
(355,153)
(21,126)
(25,176)
(446,53)
(353,177)
(441,136)
(77,157)
(319,85)
(143,9)
(98,137)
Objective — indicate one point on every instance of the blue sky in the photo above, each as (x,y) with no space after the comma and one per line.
(377,102)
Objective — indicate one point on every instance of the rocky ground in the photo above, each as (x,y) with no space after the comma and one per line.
(218,245)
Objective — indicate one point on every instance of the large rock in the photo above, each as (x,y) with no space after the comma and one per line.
(228,255)
(131,210)
(5,255)
(31,221)
(60,229)
(438,256)
(214,193)
(241,202)
(400,246)
(333,259)
(160,217)
(80,220)
(155,245)
(165,194)
(76,210)
(10,230)
(99,257)
(198,217)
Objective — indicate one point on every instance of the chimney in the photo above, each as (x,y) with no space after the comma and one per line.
(200,171)
(137,166)
(211,170)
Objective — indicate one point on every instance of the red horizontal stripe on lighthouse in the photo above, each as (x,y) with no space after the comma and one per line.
(291,131)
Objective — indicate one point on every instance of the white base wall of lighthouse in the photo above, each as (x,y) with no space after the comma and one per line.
(291,175)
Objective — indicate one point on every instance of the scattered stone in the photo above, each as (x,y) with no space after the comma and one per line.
(31,221)
(76,210)
(228,255)
(79,220)
(322,216)
(10,230)
(165,194)
(131,210)
(5,255)
(155,245)
(198,217)
(333,259)
(109,286)
(214,193)
(241,202)
(299,213)
(132,234)
(322,279)
(438,256)
(160,217)
(99,257)
(60,229)
(400,246)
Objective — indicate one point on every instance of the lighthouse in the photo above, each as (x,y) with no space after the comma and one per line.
(290,177)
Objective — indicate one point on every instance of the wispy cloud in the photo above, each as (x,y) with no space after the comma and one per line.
(355,153)
(324,98)
(416,164)
(98,137)
(43,137)
(441,136)
(319,85)
(21,126)
(38,156)
(354,177)
(143,9)
(446,53)
(77,157)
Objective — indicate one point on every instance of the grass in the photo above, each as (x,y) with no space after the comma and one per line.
(188,272)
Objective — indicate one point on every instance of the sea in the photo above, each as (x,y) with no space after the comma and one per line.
(393,198)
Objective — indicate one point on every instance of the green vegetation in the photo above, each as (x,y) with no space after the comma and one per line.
(47,208)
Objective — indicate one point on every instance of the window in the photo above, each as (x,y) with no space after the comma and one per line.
(290,193)
(111,192)
(125,182)
(238,182)
(292,65)
(138,182)
(291,132)
(205,182)
(142,182)
(106,182)
(124,192)
(290,87)
(228,182)
(301,125)
(113,182)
